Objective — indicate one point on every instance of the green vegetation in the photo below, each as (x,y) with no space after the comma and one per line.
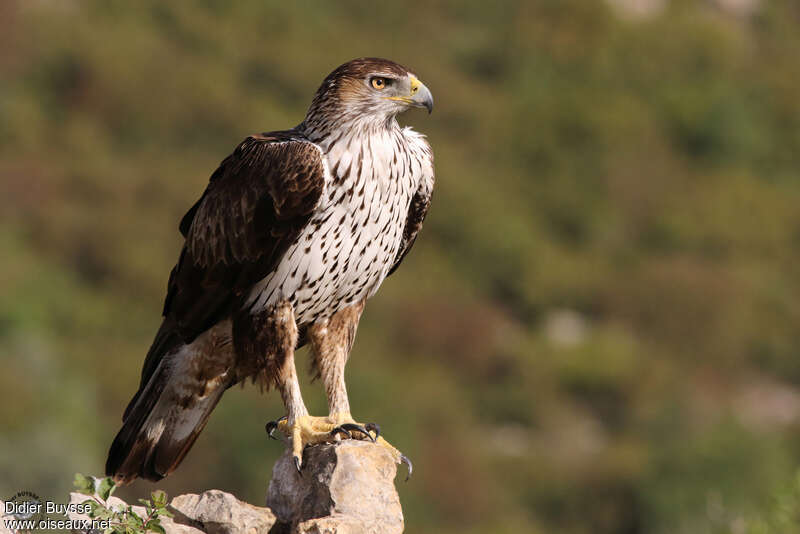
(126,520)
(597,331)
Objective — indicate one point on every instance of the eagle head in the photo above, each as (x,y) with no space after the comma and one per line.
(370,88)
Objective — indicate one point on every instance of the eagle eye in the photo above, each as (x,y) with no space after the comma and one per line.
(379,83)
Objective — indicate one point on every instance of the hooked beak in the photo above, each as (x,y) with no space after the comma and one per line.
(420,96)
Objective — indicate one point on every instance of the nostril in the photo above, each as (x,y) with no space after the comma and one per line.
(414,90)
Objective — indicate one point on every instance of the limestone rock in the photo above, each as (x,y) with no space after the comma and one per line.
(212,512)
(171,526)
(217,512)
(344,488)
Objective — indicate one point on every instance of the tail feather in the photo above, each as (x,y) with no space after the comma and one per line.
(170,410)
(166,341)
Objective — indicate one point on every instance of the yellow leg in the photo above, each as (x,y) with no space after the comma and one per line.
(331,340)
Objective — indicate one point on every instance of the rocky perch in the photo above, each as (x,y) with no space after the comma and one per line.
(344,488)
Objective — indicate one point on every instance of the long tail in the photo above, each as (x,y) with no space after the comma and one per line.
(181,385)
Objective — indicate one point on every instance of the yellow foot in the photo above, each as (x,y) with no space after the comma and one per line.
(309,430)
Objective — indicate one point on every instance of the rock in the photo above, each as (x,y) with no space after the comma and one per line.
(171,526)
(212,512)
(217,512)
(344,488)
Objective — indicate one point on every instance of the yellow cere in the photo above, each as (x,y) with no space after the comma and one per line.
(415,83)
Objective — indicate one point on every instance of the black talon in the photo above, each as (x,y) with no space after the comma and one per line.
(297,464)
(404,459)
(359,428)
(341,430)
(375,428)
(271,426)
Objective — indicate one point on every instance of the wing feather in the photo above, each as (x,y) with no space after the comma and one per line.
(255,204)
(417,211)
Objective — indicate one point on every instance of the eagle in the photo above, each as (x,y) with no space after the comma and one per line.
(294,232)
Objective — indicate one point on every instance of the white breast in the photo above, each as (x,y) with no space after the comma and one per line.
(348,247)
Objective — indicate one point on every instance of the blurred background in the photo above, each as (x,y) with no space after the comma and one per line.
(597,331)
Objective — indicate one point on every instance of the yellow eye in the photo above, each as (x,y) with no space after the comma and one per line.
(378,83)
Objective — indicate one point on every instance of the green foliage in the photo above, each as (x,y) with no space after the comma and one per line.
(124,520)
(85,485)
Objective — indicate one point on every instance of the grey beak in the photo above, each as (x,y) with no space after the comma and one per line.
(423,98)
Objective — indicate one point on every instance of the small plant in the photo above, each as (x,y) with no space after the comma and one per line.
(125,520)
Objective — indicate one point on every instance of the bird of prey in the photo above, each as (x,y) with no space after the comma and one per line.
(295,231)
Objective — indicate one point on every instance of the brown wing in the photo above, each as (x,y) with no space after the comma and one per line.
(256,203)
(416,215)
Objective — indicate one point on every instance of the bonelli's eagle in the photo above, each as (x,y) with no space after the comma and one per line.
(295,231)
